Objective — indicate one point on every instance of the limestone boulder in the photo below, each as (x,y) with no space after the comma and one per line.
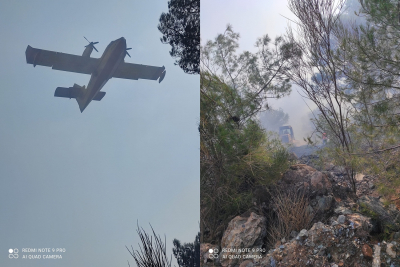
(374,208)
(302,176)
(297,172)
(242,238)
(357,221)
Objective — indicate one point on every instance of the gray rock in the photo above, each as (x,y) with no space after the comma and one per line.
(359,177)
(237,237)
(373,207)
(371,186)
(293,234)
(273,262)
(339,169)
(310,210)
(376,261)
(390,251)
(341,219)
(247,263)
(358,221)
(311,180)
(392,207)
(396,235)
(325,203)
(303,234)
(342,210)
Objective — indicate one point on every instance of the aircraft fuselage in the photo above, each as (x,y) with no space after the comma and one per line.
(110,64)
(112,57)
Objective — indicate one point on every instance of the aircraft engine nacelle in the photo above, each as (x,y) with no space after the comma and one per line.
(89,48)
(88,51)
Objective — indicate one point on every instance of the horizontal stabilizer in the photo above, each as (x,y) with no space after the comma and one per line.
(74,92)
(71,92)
(99,96)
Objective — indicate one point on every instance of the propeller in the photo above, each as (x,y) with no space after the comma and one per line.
(127,51)
(91,44)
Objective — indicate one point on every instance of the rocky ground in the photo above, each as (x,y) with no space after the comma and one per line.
(349,229)
(302,150)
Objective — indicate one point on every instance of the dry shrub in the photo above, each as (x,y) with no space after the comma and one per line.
(290,213)
(151,254)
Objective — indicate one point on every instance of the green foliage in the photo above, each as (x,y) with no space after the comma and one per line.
(255,76)
(188,254)
(317,72)
(365,210)
(236,155)
(351,71)
(181,29)
(370,58)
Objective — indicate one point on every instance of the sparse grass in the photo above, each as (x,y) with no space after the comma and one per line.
(290,213)
(365,210)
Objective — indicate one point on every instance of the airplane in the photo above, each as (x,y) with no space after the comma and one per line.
(111,64)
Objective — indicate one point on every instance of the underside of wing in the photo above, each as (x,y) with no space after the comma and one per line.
(137,71)
(60,61)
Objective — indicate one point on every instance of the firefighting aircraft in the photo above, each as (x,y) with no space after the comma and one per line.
(111,64)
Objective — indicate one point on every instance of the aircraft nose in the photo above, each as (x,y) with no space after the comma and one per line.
(122,40)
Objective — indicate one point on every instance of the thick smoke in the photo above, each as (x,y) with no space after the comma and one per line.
(296,109)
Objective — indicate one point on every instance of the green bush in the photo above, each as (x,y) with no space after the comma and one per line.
(237,156)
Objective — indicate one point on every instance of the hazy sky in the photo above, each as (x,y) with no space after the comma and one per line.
(253,19)
(80,181)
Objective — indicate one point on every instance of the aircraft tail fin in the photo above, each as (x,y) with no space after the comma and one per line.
(77,92)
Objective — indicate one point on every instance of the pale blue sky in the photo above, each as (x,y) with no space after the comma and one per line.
(81,181)
(252,19)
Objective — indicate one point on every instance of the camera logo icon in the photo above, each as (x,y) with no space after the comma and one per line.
(13,253)
(213,253)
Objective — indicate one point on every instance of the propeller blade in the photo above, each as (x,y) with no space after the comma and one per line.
(91,44)
(127,51)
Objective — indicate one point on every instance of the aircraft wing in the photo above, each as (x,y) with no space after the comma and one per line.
(137,71)
(61,61)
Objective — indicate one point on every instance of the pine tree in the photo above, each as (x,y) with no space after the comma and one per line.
(181,29)
(188,254)
(236,155)
(370,60)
